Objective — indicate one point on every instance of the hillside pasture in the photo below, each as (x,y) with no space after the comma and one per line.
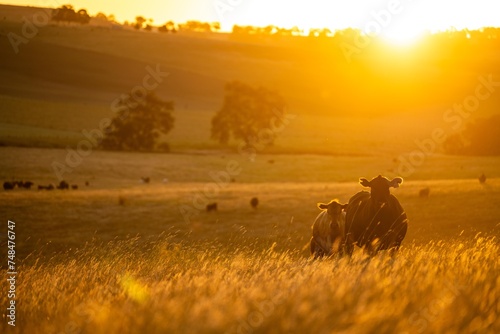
(117,204)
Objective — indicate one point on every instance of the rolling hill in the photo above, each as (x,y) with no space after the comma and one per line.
(67,76)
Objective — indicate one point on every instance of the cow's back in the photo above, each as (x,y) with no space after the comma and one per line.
(356,210)
(364,224)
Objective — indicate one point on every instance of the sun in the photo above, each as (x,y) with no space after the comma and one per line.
(402,35)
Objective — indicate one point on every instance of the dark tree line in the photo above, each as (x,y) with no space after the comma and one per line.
(197,26)
(66,13)
(351,34)
(170,26)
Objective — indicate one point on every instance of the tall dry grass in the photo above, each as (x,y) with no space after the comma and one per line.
(157,286)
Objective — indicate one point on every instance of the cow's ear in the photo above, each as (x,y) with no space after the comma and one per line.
(364,182)
(396,182)
(322,206)
(344,207)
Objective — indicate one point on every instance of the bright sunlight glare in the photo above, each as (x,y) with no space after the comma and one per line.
(402,35)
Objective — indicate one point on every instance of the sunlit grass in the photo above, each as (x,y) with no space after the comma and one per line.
(157,286)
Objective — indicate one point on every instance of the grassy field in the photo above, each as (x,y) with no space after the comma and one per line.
(158,286)
(91,264)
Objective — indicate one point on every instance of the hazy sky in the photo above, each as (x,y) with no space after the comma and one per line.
(413,15)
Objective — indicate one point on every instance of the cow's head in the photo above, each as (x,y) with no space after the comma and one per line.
(334,208)
(380,188)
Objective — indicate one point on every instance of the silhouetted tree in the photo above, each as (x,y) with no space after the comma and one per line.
(215,27)
(139,124)
(139,22)
(66,13)
(168,27)
(246,111)
(101,16)
(82,16)
(197,26)
(322,33)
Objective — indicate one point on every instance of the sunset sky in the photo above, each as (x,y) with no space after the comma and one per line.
(414,16)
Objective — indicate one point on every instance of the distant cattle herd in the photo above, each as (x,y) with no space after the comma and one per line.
(11,185)
(373,220)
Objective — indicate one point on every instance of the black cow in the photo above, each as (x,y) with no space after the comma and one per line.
(212,207)
(254,202)
(49,187)
(63,185)
(8,185)
(375,220)
(28,185)
(424,193)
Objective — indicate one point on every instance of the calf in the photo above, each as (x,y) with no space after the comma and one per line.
(329,230)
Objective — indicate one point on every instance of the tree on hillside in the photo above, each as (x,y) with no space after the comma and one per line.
(139,22)
(478,138)
(139,124)
(66,13)
(149,25)
(245,112)
(197,26)
(216,26)
(168,27)
(103,17)
(82,16)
